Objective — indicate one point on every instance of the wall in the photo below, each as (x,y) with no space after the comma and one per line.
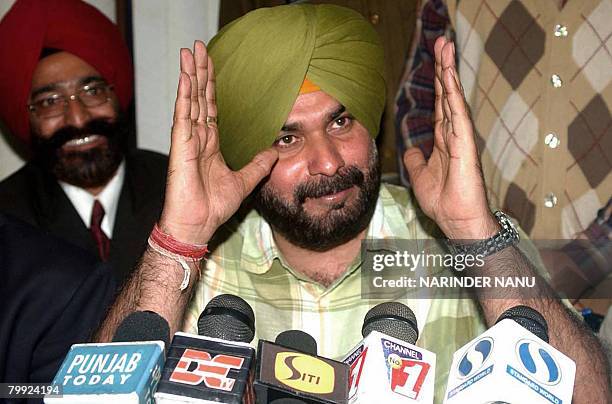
(161,28)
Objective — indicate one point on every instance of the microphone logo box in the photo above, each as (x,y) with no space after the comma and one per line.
(213,372)
(304,372)
(389,370)
(475,358)
(510,364)
(206,370)
(406,368)
(284,372)
(355,360)
(125,371)
(538,362)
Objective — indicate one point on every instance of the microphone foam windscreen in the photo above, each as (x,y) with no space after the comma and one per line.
(529,318)
(227,317)
(143,326)
(298,340)
(391,318)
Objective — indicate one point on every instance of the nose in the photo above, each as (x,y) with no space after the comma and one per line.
(76,113)
(324,156)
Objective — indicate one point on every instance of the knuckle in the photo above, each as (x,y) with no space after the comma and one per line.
(180,119)
(260,165)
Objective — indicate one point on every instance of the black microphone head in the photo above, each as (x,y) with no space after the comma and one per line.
(227,317)
(529,318)
(143,326)
(391,318)
(298,340)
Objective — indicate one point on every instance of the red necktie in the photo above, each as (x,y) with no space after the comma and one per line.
(102,241)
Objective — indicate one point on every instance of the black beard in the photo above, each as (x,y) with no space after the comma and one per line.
(84,169)
(343,223)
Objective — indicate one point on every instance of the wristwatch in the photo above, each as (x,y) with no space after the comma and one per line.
(507,236)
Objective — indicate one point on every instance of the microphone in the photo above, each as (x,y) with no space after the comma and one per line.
(227,317)
(143,326)
(297,340)
(127,369)
(511,362)
(386,366)
(289,372)
(529,319)
(215,366)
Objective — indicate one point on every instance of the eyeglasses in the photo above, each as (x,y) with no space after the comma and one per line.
(52,105)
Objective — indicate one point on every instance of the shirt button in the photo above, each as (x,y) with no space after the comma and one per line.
(560,30)
(552,141)
(374,18)
(550,200)
(556,81)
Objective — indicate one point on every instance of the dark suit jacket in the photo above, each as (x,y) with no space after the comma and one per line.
(52,295)
(34,196)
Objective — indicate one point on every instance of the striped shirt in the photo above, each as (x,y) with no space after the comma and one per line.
(248,263)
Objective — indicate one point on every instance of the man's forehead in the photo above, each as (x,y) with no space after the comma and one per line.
(62,70)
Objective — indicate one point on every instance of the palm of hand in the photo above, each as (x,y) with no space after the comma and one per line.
(202,191)
(449,186)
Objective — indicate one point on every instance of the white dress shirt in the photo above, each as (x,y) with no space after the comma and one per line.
(109,198)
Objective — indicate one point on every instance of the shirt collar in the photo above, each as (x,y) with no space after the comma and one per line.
(259,250)
(109,198)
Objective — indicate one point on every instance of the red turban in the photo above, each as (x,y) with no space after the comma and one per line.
(69,25)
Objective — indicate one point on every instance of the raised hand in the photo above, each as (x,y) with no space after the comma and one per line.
(202,192)
(449,186)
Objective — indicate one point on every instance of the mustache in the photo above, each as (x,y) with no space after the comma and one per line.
(344,179)
(99,126)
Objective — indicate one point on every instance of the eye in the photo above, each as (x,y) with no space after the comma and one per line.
(342,122)
(286,141)
(93,90)
(48,101)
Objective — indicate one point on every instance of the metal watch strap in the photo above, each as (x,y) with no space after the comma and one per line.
(507,236)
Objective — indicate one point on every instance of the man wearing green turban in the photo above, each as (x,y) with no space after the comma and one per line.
(260,66)
(292,104)
(316,50)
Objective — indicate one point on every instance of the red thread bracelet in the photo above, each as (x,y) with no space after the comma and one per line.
(170,244)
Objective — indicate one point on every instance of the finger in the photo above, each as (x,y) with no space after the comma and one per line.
(459,110)
(257,169)
(457,80)
(181,122)
(444,62)
(415,163)
(463,144)
(448,61)
(457,106)
(211,142)
(201,63)
(438,112)
(188,66)
(439,115)
(211,101)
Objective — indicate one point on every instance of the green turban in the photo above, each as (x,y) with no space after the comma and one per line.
(262,58)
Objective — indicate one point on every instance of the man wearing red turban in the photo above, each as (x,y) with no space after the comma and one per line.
(66,82)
